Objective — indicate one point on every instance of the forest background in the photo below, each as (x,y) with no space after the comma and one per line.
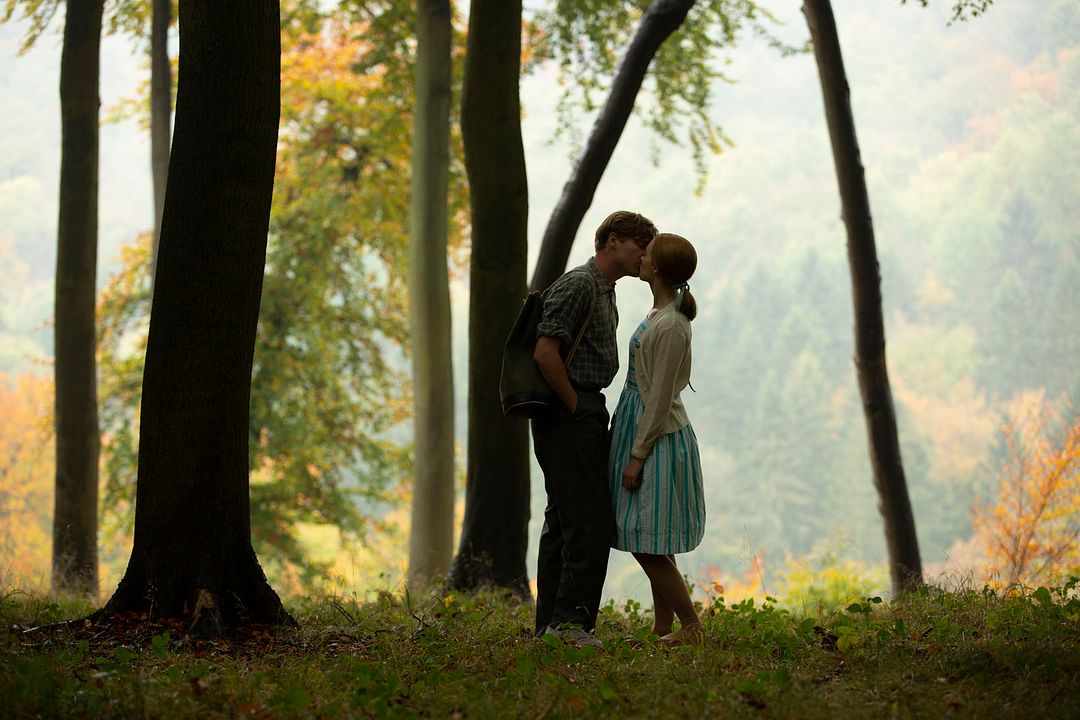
(970,133)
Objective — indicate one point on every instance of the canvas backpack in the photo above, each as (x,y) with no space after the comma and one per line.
(522,389)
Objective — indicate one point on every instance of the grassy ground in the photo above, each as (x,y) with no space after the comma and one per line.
(937,654)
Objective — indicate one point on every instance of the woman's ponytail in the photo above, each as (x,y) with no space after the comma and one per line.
(687,305)
(676,260)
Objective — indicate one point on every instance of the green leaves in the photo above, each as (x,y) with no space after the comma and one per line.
(588,39)
(375,690)
(295,698)
(159,645)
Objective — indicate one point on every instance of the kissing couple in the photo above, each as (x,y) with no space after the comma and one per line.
(635,485)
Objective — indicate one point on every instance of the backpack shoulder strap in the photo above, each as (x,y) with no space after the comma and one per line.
(584,325)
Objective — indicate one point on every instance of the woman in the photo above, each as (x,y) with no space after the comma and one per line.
(654,466)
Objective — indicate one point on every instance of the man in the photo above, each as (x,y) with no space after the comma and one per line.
(571,442)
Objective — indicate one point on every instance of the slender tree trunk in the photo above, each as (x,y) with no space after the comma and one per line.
(431,537)
(192,554)
(494,536)
(74,559)
(894,505)
(160,111)
(661,19)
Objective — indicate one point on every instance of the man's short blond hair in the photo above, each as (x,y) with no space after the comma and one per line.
(625,224)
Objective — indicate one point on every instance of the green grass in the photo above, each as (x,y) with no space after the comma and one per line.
(935,654)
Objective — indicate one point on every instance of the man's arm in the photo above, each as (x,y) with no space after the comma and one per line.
(553,370)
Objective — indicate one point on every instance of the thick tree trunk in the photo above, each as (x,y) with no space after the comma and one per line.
(661,19)
(895,507)
(74,559)
(494,537)
(192,554)
(160,111)
(431,537)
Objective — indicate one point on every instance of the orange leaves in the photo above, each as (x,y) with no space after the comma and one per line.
(1038,78)
(26,478)
(750,583)
(319,75)
(1032,533)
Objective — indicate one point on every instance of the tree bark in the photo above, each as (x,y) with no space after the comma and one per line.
(661,19)
(894,504)
(74,558)
(192,554)
(494,536)
(160,111)
(431,537)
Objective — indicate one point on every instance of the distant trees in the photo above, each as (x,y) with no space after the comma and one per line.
(192,554)
(1024,275)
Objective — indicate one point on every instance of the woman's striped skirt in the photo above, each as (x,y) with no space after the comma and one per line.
(666,514)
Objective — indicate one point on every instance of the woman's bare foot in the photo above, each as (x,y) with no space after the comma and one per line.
(693,634)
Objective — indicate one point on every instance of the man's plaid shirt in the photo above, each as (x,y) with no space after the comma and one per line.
(566,305)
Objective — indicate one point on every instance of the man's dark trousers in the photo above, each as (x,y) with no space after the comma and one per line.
(578,523)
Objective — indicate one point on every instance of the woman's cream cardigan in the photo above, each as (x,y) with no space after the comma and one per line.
(662,366)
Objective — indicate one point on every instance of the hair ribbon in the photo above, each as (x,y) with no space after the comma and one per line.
(681,288)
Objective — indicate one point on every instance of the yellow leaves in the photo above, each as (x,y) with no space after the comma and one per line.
(960,426)
(320,67)
(933,295)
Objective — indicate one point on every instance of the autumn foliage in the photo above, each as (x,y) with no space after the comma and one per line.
(1032,531)
(26,479)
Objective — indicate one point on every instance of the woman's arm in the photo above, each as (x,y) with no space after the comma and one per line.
(668,350)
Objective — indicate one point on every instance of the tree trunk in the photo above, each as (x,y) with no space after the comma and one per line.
(192,554)
(74,559)
(494,536)
(431,537)
(160,111)
(894,505)
(661,19)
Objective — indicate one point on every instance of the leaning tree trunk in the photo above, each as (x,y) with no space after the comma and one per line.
(494,536)
(894,505)
(160,112)
(192,554)
(431,536)
(74,558)
(661,19)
